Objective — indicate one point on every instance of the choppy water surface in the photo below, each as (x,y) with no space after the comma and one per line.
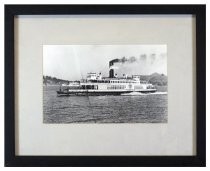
(134,108)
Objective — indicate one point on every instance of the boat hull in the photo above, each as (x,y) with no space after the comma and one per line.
(100,93)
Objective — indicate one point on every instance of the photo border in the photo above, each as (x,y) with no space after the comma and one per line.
(199,11)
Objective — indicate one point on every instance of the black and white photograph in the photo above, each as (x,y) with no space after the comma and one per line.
(105,84)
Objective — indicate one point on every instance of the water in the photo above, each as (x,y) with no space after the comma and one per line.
(127,108)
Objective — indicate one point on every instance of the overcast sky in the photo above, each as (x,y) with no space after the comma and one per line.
(73,62)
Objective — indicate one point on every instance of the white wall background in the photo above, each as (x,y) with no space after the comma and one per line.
(174,138)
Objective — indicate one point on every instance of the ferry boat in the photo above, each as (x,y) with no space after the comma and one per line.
(96,85)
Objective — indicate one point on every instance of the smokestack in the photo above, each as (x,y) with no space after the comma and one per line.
(111,73)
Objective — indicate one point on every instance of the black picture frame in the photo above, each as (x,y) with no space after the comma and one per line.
(198,160)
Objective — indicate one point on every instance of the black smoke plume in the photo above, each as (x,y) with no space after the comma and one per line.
(123,60)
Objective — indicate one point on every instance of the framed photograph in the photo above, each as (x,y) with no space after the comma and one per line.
(105,85)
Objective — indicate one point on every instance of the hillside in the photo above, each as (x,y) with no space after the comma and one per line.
(48,80)
(156,79)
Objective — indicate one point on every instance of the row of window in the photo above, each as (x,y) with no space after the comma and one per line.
(87,87)
(111,81)
(100,81)
(117,87)
(121,81)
